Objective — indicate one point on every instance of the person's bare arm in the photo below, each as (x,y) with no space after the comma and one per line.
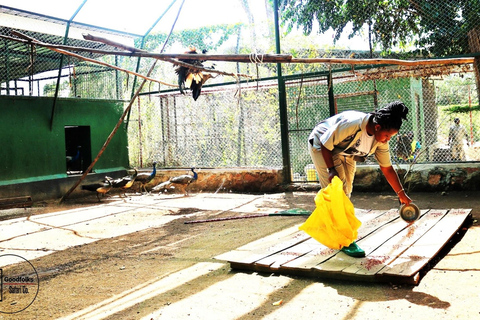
(328,157)
(392,178)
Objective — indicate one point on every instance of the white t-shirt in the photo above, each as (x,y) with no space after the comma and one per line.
(342,130)
(362,147)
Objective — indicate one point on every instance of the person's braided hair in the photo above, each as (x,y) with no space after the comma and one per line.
(391,116)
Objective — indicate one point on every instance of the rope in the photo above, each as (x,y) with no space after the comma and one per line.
(255,57)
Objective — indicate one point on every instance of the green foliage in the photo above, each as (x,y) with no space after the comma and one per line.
(445,25)
(49,89)
(461,108)
(438,28)
(456,90)
(205,38)
(391,23)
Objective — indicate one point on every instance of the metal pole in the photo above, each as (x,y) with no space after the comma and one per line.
(140,147)
(7,66)
(61,64)
(141,47)
(282,100)
(117,80)
(331,96)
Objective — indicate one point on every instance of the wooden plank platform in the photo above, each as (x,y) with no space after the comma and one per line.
(395,251)
(16,202)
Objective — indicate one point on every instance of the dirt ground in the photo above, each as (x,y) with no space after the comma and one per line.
(86,275)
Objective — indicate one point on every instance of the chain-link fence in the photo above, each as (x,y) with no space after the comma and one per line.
(236,123)
(234,126)
(33,70)
(429,135)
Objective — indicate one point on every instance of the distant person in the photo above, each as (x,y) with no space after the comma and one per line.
(455,140)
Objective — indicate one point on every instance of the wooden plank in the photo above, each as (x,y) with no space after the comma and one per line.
(269,245)
(369,243)
(16,202)
(260,248)
(418,255)
(371,221)
(396,245)
(276,260)
(372,225)
(396,251)
(273,262)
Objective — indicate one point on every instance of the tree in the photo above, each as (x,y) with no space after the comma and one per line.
(445,25)
(435,27)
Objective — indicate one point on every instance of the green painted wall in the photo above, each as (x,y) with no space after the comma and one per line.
(33,152)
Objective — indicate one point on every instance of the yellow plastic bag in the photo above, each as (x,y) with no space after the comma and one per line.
(333,222)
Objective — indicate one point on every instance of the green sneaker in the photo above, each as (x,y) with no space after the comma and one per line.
(353,250)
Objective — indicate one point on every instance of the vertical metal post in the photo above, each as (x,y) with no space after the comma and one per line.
(474,45)
(117,80)
(7,66)
(141,47)
(65,38)
(282,100)
(30,76)
(375,92)
(331,96)
(162,117)
(140,133)
(241,130)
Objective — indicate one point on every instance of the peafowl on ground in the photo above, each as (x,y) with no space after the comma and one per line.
(182,181)
(123,183)
(145,178)
(99,188)
(130,182)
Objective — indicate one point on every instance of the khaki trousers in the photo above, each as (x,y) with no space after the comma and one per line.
(345,166)
(457,151)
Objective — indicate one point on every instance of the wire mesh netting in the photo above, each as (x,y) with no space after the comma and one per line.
(219,130)
(33,70)
(236,120)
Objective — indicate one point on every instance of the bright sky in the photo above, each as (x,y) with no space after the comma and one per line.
(137,16)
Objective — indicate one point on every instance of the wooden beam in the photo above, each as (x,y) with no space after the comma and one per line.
(90,37)
(61,49)
(261,58)
(384,61)
(16,202)
(37,42)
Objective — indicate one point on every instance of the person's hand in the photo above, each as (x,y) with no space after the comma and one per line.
(404,198)
(332,173)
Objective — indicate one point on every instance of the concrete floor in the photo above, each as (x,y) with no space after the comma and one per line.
(176,277)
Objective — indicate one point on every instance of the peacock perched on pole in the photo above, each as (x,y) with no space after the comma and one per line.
(190,77)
